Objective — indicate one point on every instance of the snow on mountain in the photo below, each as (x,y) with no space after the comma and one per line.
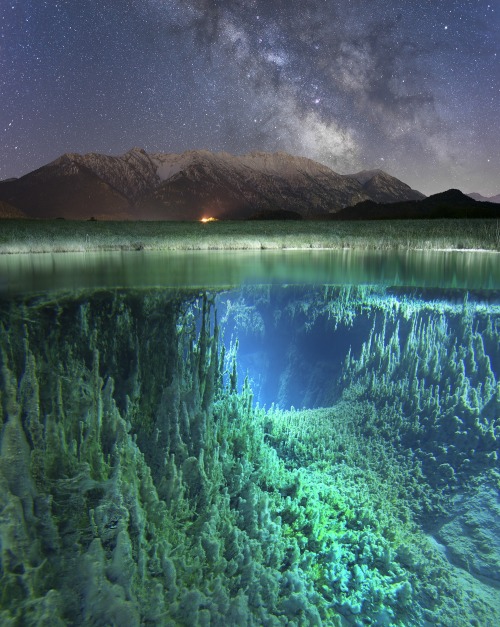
(278,163)
(365,175)
(167,165)
(193,184)
(131,174)
(237,186)
(136,173)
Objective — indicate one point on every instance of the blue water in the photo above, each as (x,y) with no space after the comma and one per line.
(250,439)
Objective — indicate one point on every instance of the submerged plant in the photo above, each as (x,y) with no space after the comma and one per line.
(141,485)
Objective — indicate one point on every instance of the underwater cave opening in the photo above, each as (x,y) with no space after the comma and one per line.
(291,350)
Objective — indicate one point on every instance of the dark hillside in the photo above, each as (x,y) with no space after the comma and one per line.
(449,204)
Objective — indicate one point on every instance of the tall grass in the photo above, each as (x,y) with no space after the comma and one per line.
(37,236)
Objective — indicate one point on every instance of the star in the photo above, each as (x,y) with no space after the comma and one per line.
(337,82)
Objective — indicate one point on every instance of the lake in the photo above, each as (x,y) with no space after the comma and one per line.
(250,438)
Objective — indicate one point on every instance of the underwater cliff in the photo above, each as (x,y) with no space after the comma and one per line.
(270,455)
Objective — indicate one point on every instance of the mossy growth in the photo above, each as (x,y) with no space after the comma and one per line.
(140,485)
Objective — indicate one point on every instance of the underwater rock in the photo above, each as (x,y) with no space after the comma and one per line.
(472,536)
(101,597)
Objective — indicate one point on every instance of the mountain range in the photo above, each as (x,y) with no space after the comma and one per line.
(190,186)
(482,198)
(450,204)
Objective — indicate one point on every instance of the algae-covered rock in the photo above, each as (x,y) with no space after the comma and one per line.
(472,536)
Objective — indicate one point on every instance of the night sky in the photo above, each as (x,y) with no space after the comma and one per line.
(408,86)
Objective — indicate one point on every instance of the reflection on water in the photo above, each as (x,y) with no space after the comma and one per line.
(250,439)
(225,268)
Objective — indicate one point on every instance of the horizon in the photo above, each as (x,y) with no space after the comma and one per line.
(403,87)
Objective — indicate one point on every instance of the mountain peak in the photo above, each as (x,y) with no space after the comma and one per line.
(451,203)
(481,198)
(192,185)
(366,175)
(382,187)
(451,195)
(136,150)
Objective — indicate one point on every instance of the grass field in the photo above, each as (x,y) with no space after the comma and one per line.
(33,236)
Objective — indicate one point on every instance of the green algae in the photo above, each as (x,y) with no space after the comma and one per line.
(142,485)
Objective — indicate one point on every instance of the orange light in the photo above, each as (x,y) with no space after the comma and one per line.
(208,220)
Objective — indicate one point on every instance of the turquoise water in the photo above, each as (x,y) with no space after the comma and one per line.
(278,438)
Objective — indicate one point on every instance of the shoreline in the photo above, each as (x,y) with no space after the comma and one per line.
(92,251)
(36,237)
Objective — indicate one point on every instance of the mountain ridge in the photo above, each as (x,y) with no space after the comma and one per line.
(448,204)
(192,185)
(481,198)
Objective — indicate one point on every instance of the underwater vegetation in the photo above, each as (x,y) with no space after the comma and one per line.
(141,483)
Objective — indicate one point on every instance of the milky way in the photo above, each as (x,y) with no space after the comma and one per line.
(412,87)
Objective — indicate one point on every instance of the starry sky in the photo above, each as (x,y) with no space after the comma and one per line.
(408,86)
